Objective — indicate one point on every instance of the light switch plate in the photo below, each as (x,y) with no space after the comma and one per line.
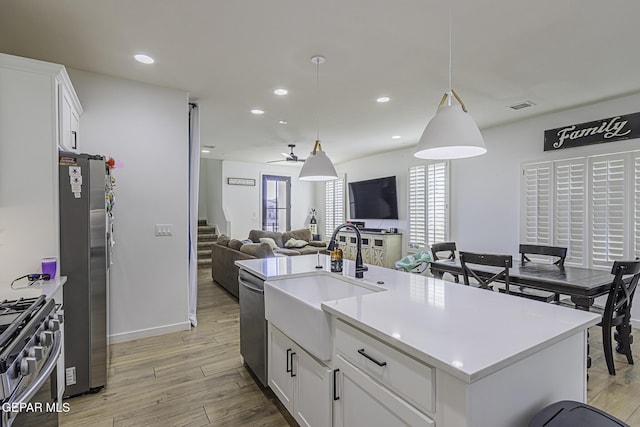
(164,230)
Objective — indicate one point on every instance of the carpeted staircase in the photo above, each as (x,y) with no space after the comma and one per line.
(206,236)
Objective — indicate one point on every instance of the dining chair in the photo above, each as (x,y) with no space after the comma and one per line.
(450,249)
(468,259)
(558,252)
(551,251)
(617,310)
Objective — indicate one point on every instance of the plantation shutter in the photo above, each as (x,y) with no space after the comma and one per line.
(334,205)
(437,203)
(636,206)
(608,206)
(417,206)
(536,201)
(570,209)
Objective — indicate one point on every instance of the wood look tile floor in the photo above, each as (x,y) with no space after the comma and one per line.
(195,378)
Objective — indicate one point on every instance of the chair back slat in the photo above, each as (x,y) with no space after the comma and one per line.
(552,251)
(449,247)
(502,261)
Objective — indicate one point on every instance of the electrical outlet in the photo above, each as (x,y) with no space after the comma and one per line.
(164,230)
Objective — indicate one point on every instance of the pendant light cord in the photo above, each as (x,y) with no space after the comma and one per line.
(450,47)
(318,97)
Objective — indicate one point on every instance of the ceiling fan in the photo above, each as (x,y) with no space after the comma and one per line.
(290,157)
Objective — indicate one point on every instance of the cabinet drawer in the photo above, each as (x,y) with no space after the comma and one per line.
(411,379)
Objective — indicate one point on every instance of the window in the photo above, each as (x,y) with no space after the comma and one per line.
(334,205)
(428,204)
(590,205)
(276,203)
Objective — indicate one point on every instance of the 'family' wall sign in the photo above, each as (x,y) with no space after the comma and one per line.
(597,132)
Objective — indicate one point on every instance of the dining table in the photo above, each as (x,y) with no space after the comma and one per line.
(582,285)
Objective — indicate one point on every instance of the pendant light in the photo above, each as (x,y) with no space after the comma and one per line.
(451,133)
(318,166)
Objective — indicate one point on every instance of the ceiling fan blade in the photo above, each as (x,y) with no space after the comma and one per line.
(285,155)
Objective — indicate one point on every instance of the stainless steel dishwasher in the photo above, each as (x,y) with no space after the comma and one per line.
(253,325)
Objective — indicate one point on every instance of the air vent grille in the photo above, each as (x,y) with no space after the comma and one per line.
(521,105)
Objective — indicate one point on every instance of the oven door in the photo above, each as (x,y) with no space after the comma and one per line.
(36,405)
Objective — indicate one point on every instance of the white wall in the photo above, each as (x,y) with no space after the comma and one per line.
(146,128)
(243,206)
(210,197)
(202,191)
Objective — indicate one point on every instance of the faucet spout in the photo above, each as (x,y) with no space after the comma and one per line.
(360,267)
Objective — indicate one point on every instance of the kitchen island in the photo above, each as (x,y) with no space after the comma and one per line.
(423,351)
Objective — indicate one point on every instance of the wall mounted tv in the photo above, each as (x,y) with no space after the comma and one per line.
(373,199)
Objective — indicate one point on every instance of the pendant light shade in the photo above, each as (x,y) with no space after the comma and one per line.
(451,134)
(318,166)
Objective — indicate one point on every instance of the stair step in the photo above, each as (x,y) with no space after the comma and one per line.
(202,222)
(206,229)
(207,237)
(204,254)
(204,245)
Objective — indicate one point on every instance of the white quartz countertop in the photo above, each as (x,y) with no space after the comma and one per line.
(37,288)
(467,332)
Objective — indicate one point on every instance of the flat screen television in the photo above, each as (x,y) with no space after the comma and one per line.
(373,199)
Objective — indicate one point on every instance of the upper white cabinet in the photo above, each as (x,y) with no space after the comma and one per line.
(69,114)
(37,101)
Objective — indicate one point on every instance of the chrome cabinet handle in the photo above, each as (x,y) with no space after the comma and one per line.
(362,352)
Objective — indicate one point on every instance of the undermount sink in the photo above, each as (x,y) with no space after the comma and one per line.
(294,306)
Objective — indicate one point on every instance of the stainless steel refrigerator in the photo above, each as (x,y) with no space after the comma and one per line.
(84,260)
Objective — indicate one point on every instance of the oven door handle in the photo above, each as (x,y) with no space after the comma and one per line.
(43,375)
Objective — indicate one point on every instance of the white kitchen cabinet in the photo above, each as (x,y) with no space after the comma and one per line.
(301,383)
(364,402)
(69,119)
(31,121)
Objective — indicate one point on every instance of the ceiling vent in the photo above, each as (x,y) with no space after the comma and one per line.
(521,105)
(210,147)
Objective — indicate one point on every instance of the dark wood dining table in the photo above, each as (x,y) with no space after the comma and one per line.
(583,285)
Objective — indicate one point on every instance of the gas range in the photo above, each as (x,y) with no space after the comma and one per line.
(30,345)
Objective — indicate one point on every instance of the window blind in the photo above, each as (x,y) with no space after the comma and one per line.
(436,203)
(428,204)
(636,210)
(417,206)
(536,200)
(570,208)
(608,206)
(334,205)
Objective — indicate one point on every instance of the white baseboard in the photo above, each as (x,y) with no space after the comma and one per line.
(635,323)
(150,332)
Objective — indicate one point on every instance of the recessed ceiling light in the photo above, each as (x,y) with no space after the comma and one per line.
(282,122)
(257,111)
(281,92)
(396,137)
(145,59)
(383,99)
(205,151)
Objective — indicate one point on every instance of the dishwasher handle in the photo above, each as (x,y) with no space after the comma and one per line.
(248,287)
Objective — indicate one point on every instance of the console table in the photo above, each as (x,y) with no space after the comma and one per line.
(381,249)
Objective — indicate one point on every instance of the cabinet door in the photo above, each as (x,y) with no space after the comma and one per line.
(314,397)
(364,402)
(281,379)
(69,122)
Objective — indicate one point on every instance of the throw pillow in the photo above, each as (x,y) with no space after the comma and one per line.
(294,243)
(223,240)
(318,244)
(246,241)
(235,244)
(269,241)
